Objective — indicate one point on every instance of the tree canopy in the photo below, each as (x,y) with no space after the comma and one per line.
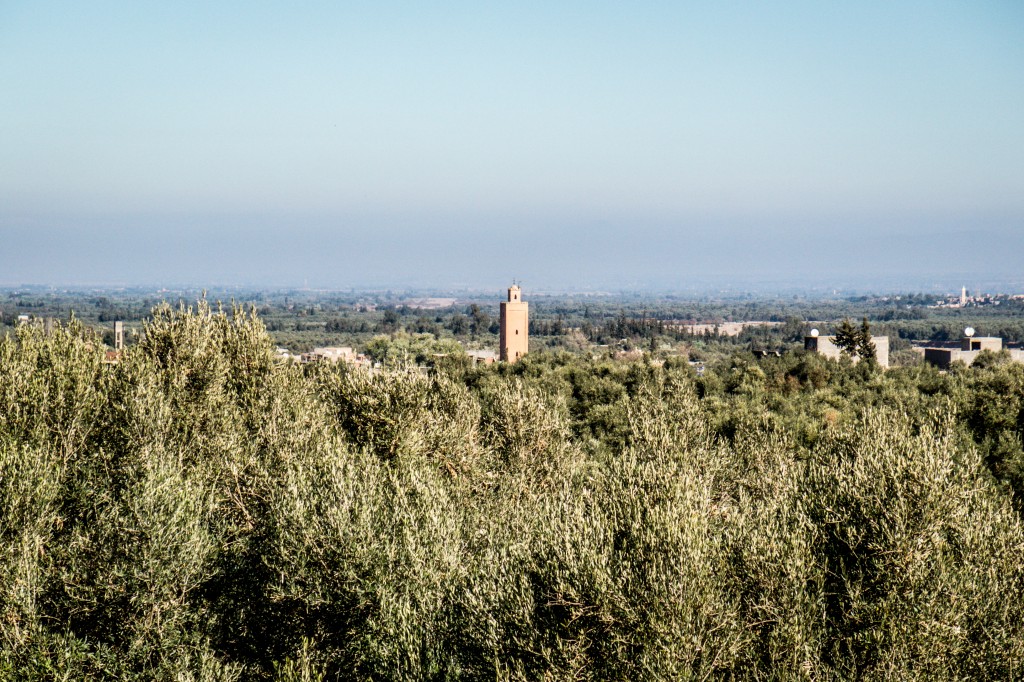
(200,511)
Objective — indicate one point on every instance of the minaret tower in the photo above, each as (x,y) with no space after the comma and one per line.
(515,326)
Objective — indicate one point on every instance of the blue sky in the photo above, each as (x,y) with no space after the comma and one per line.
(589,144)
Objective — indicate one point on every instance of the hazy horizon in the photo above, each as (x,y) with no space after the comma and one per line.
(578,146)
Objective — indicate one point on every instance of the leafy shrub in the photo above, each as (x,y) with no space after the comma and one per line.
(200,512)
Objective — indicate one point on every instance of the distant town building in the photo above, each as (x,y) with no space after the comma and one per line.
(330,354)
(825,345)
(975,300)
(485,357)
(286,355)
(113,357)
(967,353)
(514,340)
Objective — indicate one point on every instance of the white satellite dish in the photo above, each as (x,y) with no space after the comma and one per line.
(814,332)
(969,332)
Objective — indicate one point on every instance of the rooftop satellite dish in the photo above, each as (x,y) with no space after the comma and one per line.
(969,332)
(814,332)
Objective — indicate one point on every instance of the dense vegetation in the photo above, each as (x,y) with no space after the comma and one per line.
(301,320)
(198,511)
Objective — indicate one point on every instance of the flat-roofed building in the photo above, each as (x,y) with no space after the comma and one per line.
(825,345)
(970,348)
(330,354)
(485,357)
(980,343)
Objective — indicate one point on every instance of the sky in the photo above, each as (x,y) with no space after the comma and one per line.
(568,144)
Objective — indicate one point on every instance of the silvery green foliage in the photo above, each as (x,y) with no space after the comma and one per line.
(198,512)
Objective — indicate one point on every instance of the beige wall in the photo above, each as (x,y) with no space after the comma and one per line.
(825,346)
(944,357)
(992,343)
(968,352)
(515,326)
